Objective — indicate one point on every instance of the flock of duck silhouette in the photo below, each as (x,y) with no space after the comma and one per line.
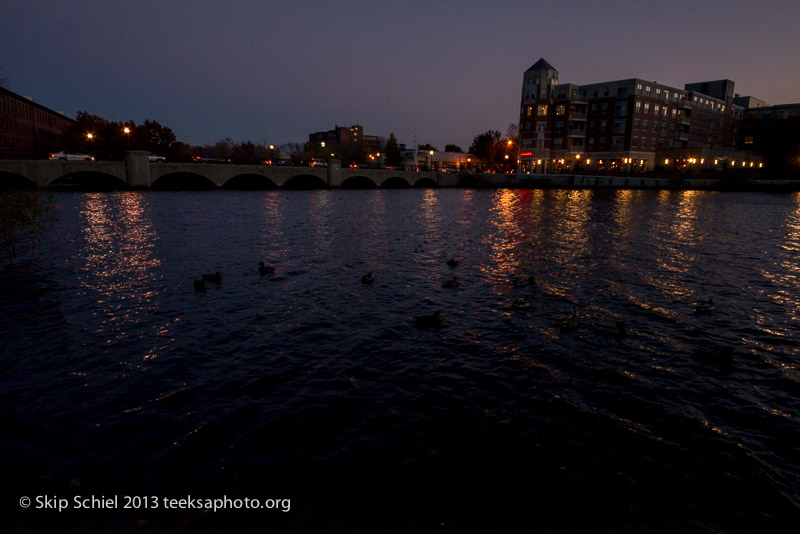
(721,356)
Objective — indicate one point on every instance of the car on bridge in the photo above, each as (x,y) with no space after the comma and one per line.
(66,155)
(153,158)
(208,158)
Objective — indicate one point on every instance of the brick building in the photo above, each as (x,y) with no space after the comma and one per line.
(630,124)
(343,141)
(29,130)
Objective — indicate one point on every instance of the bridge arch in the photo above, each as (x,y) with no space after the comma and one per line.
(250,182)
(11,180)
(395,182)
(425,183)
(358,182)
(469,180)
(183,181)
(88,181)
(305,181)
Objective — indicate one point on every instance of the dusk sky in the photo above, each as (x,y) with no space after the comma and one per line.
(440,71)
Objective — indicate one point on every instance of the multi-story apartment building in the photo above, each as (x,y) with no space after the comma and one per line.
(625,124)
(344,137)
(27,129)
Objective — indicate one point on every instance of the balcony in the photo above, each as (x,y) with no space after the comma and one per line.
(578,116)
(576,132)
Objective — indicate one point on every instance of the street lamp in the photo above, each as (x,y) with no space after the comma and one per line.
(127,132)
(430,161)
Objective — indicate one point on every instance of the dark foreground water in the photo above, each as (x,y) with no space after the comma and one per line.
(118,378)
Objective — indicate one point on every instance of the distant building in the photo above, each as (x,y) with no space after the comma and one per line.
(29,130)
(749,102)
(758,121)
(439,161)
(624,124)
(344,140)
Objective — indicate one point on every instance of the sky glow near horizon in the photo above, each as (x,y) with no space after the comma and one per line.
(439,72)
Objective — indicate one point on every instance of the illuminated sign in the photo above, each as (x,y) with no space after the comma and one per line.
(523,154)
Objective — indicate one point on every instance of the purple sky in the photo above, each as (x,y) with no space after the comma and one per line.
(443,71)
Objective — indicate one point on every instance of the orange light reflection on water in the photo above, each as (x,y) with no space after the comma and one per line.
(505,217)
(784,272)
(674,236)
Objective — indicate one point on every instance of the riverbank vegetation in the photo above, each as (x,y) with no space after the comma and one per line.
(24,216)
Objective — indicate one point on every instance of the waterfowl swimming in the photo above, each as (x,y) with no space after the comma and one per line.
(450,283)
(569,325)
(263,269)
(426,321)
(531,280)
(216,277)
(200,285)
(618,332)
(522,303)
(704,307)
(367,278)
(452,262)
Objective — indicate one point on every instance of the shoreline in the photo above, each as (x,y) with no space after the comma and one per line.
(593,181)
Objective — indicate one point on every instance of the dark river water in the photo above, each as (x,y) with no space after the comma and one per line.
(309,390)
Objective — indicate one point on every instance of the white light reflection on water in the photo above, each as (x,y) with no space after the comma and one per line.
(320,215)
(120,267)
(272,244)
(429,250)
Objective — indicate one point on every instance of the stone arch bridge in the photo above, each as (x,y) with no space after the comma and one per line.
(137,172)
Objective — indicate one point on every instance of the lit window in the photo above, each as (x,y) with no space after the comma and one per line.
(542,111)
